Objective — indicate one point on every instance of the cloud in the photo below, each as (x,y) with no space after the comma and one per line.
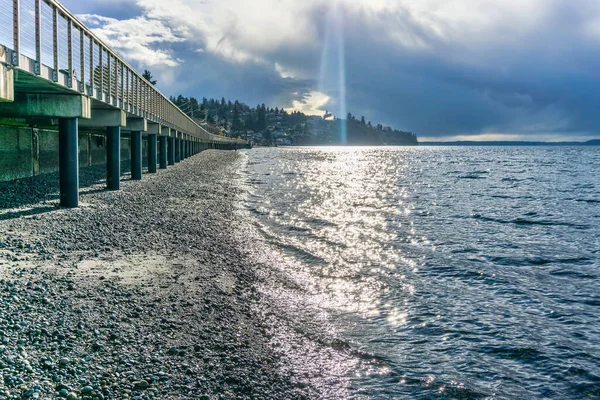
(135,38)
(439,68)
(312,103)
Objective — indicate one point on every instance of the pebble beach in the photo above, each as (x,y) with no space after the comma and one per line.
(143,293)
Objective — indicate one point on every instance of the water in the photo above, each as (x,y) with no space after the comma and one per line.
(459,273)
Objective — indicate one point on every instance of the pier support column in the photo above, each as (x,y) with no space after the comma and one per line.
(68,154)
(113,158)
(136,155)
(171,150)
(177,150)
(162,144)
(152,153)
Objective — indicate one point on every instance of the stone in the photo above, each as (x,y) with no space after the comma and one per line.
(143,384)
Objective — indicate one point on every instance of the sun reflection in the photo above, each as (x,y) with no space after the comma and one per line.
(344,229)
(397,318)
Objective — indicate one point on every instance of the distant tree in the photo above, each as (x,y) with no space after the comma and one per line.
(236,124)
(249,122)
(306,129)
(147,75)
(362,120)
(202,111)
(261,123)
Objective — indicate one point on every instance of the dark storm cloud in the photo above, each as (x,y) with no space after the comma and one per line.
(120,9)
(525,67)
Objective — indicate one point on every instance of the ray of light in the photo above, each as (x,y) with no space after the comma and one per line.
(333,66)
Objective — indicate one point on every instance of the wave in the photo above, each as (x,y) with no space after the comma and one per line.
(590,201)
(573,274)
(536,260)
(528,222)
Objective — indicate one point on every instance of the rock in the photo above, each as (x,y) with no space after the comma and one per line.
(72,396)
(143,384)
(87,389)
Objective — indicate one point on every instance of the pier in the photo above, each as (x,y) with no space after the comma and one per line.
(68,100)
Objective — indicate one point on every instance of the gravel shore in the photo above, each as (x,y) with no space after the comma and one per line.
(141,293)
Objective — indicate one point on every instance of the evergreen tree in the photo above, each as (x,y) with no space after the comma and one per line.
(147,75)
(235,123)
(261,123)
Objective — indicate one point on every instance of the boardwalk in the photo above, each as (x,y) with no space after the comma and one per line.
(54,68)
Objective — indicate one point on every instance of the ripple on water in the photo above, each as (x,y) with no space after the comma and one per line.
(450,273)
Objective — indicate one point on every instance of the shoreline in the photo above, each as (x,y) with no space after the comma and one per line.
(140,293)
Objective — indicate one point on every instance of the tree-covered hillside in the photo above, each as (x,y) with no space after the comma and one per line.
(274,126)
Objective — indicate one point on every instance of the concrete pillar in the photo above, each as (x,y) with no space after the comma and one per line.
(136,155)
(171,150)
(7,82)
(177,150)
(68,154)
(162,144)
(152,153)
(113,158)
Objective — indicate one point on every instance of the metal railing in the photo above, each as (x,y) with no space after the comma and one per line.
(43,38)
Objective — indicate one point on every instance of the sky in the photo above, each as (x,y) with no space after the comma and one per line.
(444,69)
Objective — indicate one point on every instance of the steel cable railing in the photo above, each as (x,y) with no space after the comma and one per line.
(65,51)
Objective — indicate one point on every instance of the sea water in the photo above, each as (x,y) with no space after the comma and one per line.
(445,272)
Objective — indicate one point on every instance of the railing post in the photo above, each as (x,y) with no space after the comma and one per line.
(91,91)
(83,61)
(16,54)
(55,41)
(70,53)
(100,73)
(38,37)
